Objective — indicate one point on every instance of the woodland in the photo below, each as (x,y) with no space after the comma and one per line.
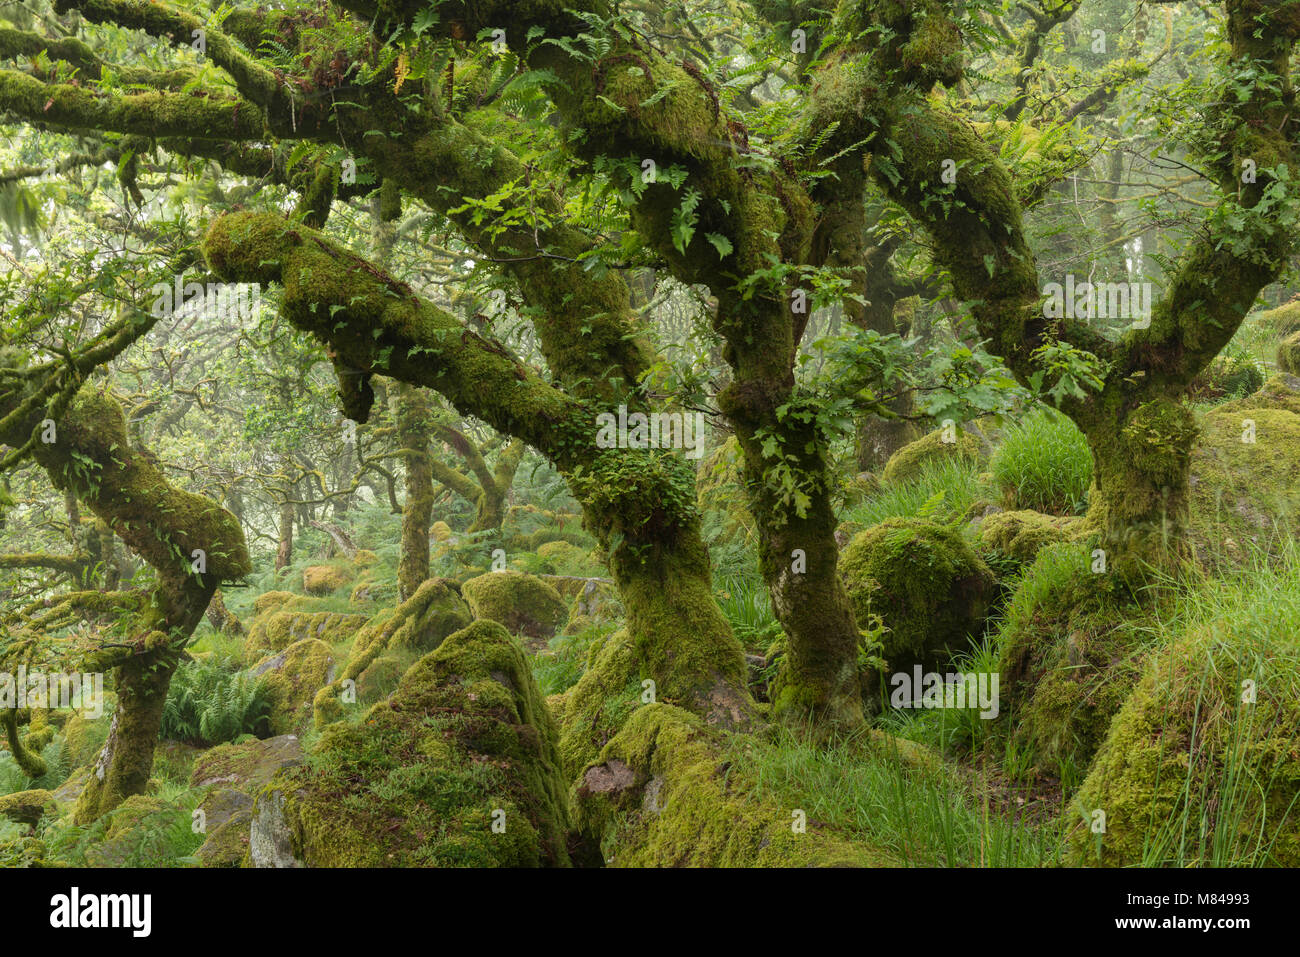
(594,433)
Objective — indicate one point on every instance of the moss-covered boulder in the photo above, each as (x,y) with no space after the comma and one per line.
(270,601)
(909,462)
(1288,354)
(325,579)
(1282,320)
(291,679)
(661,794)
(440,531)
(142,831)
(417,625)
(926,583)
(1245,482)
(1202,764)
(369,593)
(280,629)
(457,768)
(1069,650)
(232,774)
(1279,391)
(525,604)
(566,558)
(28,807)
(1019,535)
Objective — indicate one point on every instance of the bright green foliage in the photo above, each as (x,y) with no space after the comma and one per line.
(1044,464)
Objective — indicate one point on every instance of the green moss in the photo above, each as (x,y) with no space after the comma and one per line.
(270,601)
(911,460)
(419,781)
(925,582)
(28,807)
(660,795)
(1231,376)
(1280,391)
(278,630)
(1283,320)
(1020,535)
(324,579)
(525,604)
(292,679)
(1245,495)
(1189,771)
(440,531)
(418,624)
(1288,354)
(1067,654)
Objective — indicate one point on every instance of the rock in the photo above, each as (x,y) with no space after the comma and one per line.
(1019,535)
(28,807)
(924,580)
(324,579)
(911,461)
(1245,495)
(281,629)
(234,773)
(1185,747)
(465,742)
(523,603)
(292,679)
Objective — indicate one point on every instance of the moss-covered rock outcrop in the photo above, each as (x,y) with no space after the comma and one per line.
(926,583)
(913,459)
(280,629)
(525,604)
(1245,479)
(658,796)
(417,625)
(1202,763)
(232,775)
(1069,653)
(458,767)
(292,679)
(1019,535)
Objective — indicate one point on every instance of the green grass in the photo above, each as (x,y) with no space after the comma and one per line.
(923,816)
(1044,464)
(944,491)
(1253,620)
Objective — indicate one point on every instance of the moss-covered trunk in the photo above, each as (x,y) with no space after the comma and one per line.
(284,551)
(126,761)
(1140,498)
(412,414)
(799,557)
